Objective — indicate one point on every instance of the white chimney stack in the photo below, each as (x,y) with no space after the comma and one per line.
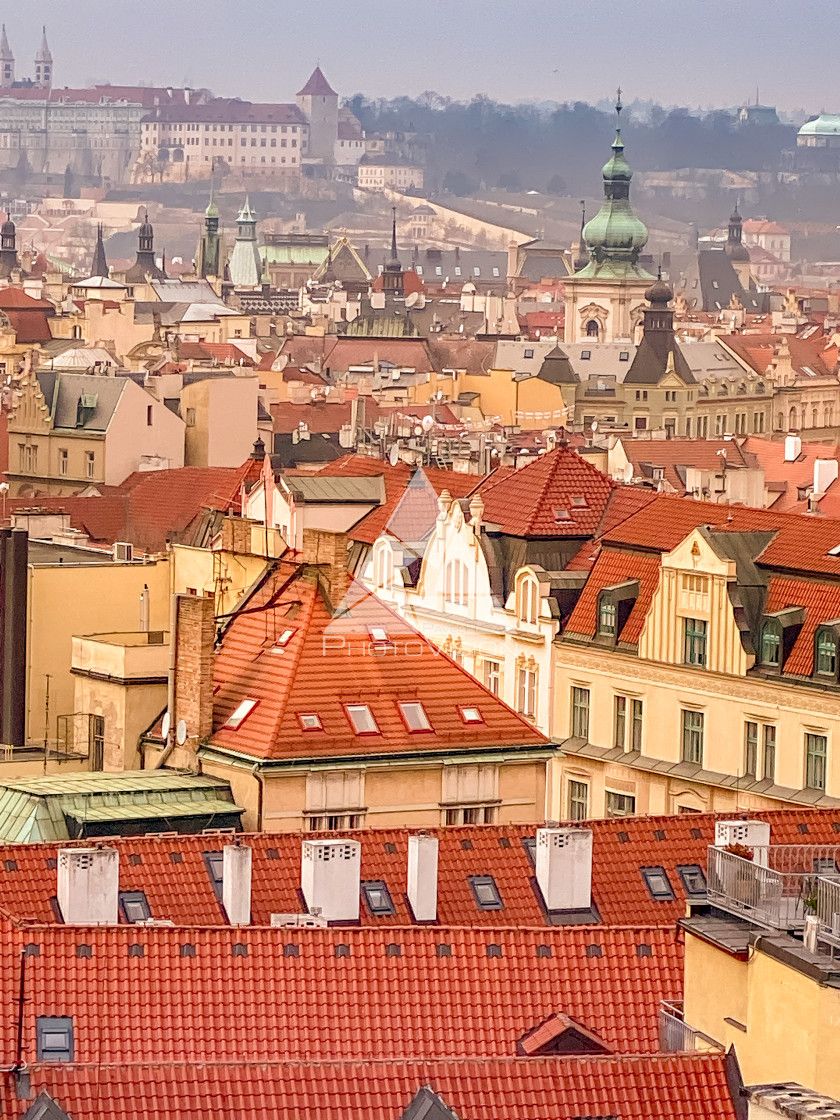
(88,889)
(330,878)
(564,867)
(825,472)
(422,880)
(236,883)
(752,834)
(793,448)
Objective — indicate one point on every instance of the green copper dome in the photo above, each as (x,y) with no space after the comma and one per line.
(615,234)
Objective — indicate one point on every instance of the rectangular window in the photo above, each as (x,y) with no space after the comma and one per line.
(607,618)
(235,721)
(816,751)
(580,713)
(62,461)
(361,717)
(485,892)
(769,752)
(826,654)
(620,722)
(771,644)
(54,1038)
(751,749)
(694,647)
(578,800)
(97,742)
(638,715)
(526,698)
(134,906)
(377,898)
(492,674)
(620,804)
(89,464)
(692,736)
(149,415)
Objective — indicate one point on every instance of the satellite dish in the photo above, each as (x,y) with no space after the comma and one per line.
(393,455)
(418,431)
(181,733)
(412,299)
(427,423)
(594,425)
(165,724)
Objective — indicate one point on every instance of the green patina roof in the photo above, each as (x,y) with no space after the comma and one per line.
(36,809)
(294,254)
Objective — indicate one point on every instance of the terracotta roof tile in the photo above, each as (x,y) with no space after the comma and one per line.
(301,678)
(157,1004)
(634,1088)
(611,567)
(822,604)
(558,495)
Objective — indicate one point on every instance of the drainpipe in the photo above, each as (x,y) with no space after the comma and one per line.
(256,770)
(170,689)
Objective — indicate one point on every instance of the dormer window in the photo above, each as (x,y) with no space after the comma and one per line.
(527,601)
(779,632)
(607,614)
(771,644)
(614,606)
(825,650)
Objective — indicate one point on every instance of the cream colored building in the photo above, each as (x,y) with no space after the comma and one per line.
(388,172)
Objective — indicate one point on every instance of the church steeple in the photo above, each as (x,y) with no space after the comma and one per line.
(245,266)
(8,248)
(392,274)
(7,62)
(99,267)
(209,244)
(615,236)
(43,63)
(582,258)
(735,249)
(145,263)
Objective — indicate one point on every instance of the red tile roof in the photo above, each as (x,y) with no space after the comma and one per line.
(634,1088)
(319,416)
(389,994)
(302,678)
(317,86)
(616,566)
(677,454)
(179,889)
(558,495)
(787,476)
(821,602)
(224,353)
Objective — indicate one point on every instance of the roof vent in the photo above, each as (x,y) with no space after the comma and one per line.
(88,888)
(236,883)
(298,921)
(564,867)
(422,881)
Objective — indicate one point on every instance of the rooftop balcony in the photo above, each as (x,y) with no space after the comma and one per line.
(779,887)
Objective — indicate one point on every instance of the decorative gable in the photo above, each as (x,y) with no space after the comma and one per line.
(30,410)
(561,1034)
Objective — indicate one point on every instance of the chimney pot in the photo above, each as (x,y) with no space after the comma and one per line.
(330,878)
(564,867)
(236,883)
(88,887)
(422,878)
(194,655)
(752,834)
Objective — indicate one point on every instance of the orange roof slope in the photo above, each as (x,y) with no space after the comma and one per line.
(475,1089)
(616,566)
(171,871)
(328,663)
(558,495)
(140,996)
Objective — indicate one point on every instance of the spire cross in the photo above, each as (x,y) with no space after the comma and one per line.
(618,105)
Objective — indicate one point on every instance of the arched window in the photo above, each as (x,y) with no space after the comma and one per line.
(780,421)
(527,600)
(815,423)
(792,419)
(759,389)
(827,416)
(592,329)
(456,583)
(383,566)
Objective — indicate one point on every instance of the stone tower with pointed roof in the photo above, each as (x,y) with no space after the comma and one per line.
(208,256)
(605,299)
(99,267)
(318,102)
(44,63)
(245,266)
(145,263)
(392,273)
(7,62)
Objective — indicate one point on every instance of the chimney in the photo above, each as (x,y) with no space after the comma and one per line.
(14,575)
(236,535)
(825,472)
(422,880)
(144,608)
(752,834)
(195,635)
(236,883)
(328,552)
(564,867)
(793,448)
(330,878)
(88,890)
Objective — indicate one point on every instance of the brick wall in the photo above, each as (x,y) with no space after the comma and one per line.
(194,666)
(236,535)
(328,552)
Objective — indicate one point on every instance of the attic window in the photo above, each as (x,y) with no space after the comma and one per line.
(485,892)
(624,356)
(214,862)
(279,644)
(377,898)
(693,879)
(415,716)
(361,718)
(236,720)
(134,906)
(54,1038)
(580,502)
(658,883)
(529,353)
(471,715)
(585,355)
(378,634)
(561,515)
(310,721)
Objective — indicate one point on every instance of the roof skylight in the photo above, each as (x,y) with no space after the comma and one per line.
(471,715)
(361,718)
(310,721)
(236,720)
(415,716)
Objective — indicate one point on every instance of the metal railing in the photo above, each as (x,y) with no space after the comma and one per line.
(675,1035)
(828,910)
(777,888)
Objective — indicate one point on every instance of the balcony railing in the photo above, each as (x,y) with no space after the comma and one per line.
(675,1035)
(777,888)
(828,910)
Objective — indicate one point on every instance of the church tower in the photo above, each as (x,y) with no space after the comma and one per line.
(99,267)
(245,266)
(318,102)
(392,273)
(207,260)
(145,263)
(7,62)
(736,250)
(606,298)
(44,63)
(8,248)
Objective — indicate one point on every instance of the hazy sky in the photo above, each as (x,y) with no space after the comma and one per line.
(686,52)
